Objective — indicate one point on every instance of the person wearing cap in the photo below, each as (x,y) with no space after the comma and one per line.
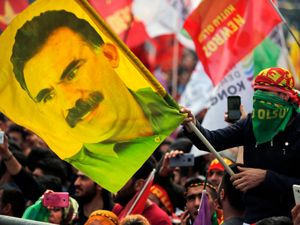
(215,171)
(270,136)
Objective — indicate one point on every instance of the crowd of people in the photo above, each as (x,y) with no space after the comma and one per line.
(260,149)
(259,191)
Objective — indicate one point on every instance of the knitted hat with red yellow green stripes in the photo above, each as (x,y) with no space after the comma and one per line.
(278,80)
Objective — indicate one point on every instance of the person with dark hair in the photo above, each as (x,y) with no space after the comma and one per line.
(231,200)
(12,202)
(154,214)
(275,220)
(51,166)
(48,182)
(30,187)
(166,177)
(6,177)
(193,193)
(38,154)
(90,197)
(17,134)
(270,136)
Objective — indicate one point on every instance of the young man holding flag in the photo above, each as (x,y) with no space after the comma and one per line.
(270,137)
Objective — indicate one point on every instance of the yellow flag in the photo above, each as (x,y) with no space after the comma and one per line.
(68,78)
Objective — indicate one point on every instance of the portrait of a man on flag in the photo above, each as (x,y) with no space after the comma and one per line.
(87,112)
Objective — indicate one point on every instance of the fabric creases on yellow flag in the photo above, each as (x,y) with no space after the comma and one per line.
(67,78)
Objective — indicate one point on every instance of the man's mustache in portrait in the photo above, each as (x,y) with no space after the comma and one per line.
(83,107)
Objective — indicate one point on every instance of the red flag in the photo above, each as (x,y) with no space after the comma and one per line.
(119,16)
(226,31)
(137,204)
(164,45)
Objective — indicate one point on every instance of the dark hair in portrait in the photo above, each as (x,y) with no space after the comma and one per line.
(31,37)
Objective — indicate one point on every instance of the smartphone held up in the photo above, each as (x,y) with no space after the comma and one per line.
(233,108)
(56,199)
(182,160)
(296,190)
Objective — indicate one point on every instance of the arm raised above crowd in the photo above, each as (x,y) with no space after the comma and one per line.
(220,139)
(12,164)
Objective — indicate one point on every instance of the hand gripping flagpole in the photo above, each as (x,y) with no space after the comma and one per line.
(192,126)
(147,75)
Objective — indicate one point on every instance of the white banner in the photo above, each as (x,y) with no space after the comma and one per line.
(197,92)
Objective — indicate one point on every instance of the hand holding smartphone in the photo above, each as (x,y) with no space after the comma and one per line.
(233,108)
(296,190)
(56,199)
(182,160)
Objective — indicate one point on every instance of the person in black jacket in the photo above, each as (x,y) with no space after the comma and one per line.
(270,136)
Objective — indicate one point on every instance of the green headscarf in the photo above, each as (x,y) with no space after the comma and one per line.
(37,212)
(271,114)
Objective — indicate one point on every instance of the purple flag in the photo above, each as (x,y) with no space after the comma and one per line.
(203,217)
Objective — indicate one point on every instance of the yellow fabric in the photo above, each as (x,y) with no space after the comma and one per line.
(70,80)
(21,108)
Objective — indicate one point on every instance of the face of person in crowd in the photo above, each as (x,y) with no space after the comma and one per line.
(193,199)
(74,84)
(56,215)
(125,194)
(85,188)
(33,140)
(214,176)
(16,137)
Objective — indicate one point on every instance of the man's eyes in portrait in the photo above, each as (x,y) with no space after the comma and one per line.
(68,74)
(71,70)
(45,95)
